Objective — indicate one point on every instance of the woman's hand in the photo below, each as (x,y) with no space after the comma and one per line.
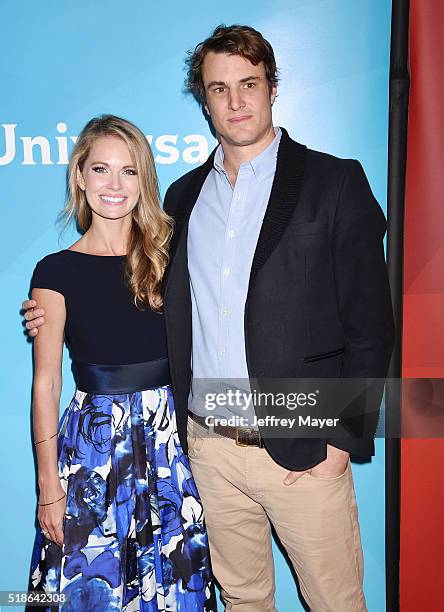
(51,517)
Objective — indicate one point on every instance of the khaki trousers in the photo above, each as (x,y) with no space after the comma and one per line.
(316,519)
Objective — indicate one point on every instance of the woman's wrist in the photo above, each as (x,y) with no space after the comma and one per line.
(54,501)
(49,495)
(49,483)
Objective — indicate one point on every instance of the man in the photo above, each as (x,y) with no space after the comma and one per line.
(277,271)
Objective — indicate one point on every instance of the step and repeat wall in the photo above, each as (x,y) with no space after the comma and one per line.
(63,63)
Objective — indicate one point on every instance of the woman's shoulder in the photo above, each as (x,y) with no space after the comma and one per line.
(53,262)
(51,271)
(53,259)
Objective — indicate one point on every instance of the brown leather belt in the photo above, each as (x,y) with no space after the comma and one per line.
(243,436)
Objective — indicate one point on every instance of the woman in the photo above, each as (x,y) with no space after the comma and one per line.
(121,523)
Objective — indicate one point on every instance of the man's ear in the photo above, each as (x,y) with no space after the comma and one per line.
(207,110)
(273,94)
(80,180)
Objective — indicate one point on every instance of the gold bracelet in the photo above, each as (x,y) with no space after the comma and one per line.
(54,502)
(46,439)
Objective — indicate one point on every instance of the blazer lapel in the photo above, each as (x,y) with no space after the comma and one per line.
(284,197)
(184,209)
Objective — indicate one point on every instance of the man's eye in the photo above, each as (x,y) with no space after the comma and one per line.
(99,169)
(250,85)
(219,89)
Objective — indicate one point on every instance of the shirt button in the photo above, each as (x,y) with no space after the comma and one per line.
(222,350)
(231,234)
(227,271)
(224,311)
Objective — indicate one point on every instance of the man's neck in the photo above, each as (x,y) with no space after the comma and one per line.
(235,155)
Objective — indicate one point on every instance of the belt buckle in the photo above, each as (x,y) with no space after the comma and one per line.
(243,430)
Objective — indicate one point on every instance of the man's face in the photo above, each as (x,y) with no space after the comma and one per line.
(238,98)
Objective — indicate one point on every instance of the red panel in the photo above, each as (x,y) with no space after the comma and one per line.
(422,473)
(422,534)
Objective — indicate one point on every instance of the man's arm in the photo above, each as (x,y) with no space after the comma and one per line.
(364,303)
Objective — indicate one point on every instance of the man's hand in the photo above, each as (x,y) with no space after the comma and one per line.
(292,477)
(34,317)
(332,467)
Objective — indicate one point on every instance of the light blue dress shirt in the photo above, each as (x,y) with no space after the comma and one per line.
(222,236)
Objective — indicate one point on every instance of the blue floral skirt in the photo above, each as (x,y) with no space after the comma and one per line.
(134,532)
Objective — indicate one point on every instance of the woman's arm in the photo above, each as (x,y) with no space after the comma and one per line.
(47,386)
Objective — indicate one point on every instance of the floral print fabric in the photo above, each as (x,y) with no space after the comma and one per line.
(134,534)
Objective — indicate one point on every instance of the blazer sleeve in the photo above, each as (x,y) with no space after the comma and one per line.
(364,304)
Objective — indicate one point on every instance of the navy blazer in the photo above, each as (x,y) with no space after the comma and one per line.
(318,303)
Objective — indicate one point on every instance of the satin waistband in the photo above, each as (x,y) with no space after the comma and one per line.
(120,379)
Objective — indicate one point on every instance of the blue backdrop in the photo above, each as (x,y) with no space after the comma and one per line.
(63,63)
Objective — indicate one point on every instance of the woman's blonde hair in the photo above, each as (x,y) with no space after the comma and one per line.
(151,228)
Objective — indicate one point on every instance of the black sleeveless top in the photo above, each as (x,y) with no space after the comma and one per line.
(103,326)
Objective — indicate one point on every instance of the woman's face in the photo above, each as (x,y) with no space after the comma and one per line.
(109,178)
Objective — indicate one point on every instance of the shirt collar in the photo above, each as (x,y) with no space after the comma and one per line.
(263,165)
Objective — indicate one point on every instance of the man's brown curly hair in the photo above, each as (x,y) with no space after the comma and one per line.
(233,40)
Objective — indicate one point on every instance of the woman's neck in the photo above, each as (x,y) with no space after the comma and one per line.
(105,237)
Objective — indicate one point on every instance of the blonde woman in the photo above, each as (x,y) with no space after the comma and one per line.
(121,522)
